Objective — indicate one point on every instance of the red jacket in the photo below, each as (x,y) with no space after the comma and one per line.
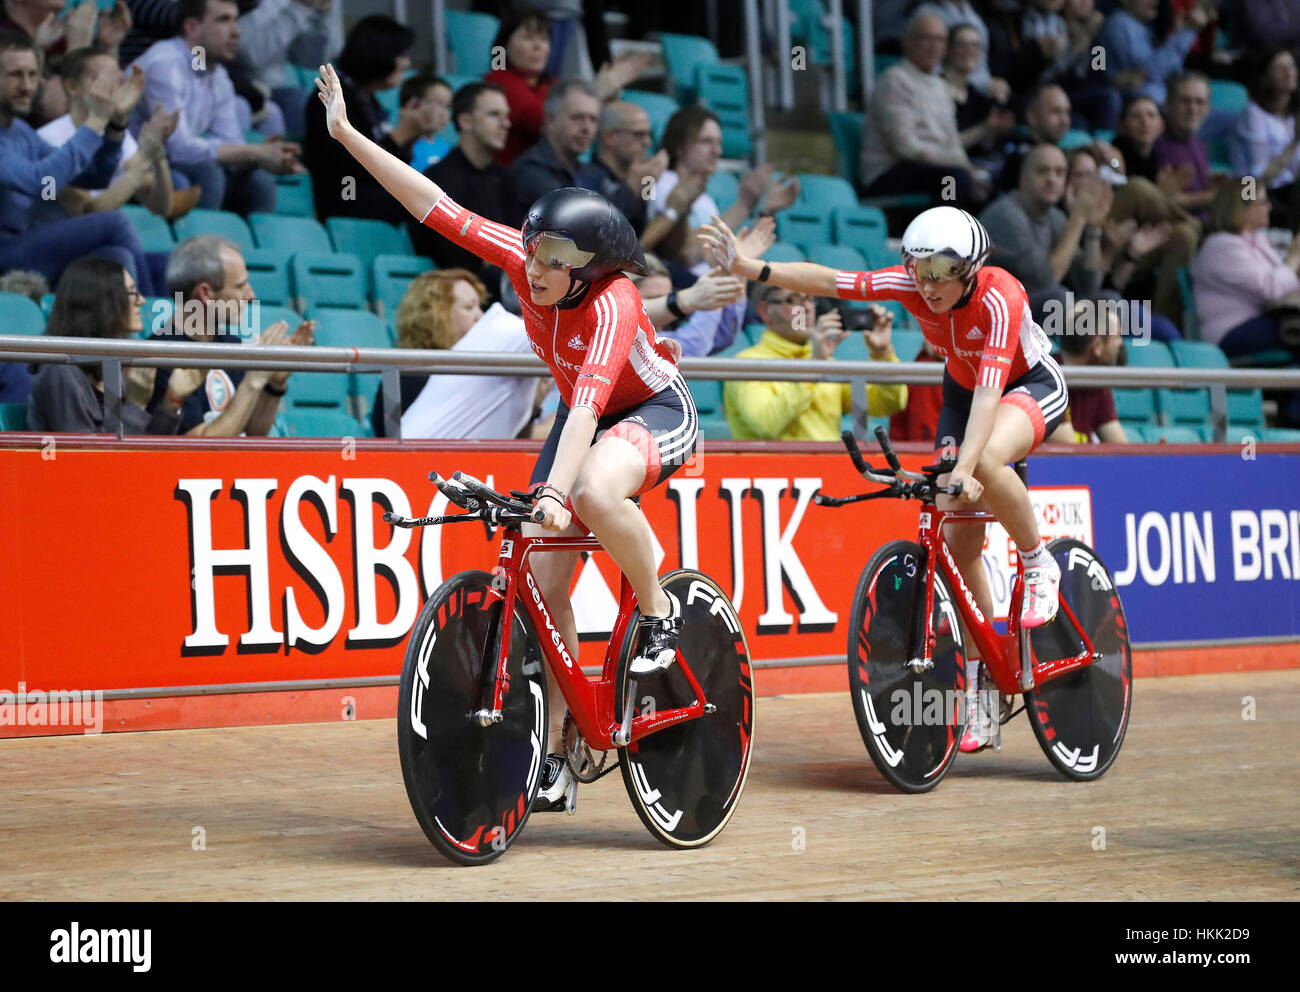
(527,115)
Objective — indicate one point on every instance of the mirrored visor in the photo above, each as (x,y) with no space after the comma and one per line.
(936,268)
(556,251)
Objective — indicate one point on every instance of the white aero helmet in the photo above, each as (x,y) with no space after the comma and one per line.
(945,243)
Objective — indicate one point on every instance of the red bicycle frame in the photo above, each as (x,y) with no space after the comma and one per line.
(591,701)
(999,652)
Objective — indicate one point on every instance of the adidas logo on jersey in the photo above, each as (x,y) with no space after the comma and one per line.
(974,334)
(577,343)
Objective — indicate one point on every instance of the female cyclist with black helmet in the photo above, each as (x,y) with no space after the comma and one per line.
(1002,391)
(619,384)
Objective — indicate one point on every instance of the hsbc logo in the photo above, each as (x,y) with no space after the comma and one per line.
(1062,514)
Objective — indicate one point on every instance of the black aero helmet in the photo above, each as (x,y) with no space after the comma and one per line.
(583,232)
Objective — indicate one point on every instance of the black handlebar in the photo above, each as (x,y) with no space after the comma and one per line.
(923,486)
(482,503)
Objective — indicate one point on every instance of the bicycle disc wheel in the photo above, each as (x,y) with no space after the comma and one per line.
(1080,718)
(910,722)
(686,781)
(471,787)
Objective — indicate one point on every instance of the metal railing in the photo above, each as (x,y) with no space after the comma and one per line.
(115,354)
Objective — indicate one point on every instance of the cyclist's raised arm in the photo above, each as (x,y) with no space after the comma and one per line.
(415,191)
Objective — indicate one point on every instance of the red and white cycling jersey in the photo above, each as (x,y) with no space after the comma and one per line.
(990,341)
(603,352)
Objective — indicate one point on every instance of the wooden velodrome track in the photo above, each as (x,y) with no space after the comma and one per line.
(1200,805)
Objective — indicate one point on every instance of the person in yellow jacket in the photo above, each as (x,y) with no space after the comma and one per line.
(805,411)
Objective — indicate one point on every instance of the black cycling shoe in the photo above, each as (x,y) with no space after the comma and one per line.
(657,642)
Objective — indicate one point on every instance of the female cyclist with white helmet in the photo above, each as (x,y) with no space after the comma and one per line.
(619,385)
(1002,391)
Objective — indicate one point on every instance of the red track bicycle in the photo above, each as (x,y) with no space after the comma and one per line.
(472,708)
(907,669)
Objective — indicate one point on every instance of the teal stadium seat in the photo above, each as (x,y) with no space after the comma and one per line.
(907,344)
(837,257)
(724,90)
(287,233)
(19,315)
(846,131)
(724,187)
(783,251)
(353,329)
(368,239)
(228,225)
(1076,139)
(804,224)
(826,191)
(328,279)
(268,274)
(682,54)
(320,422)
(154,232)
(13,416)
(863,228)
(390,277)
(470,37)
(1228,96)
(293,196)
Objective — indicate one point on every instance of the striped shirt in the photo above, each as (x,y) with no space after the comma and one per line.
(603,352)
(991,341)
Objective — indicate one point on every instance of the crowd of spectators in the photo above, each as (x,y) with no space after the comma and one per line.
(1080,131)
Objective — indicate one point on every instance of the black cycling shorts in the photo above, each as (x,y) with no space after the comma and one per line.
(664,429)
(1040,392)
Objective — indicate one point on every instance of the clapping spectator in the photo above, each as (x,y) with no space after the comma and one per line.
(209,278)
(1047,120)
(469,175)
(1182,158)
(805,411)
(375,57)
(30,170)
(207,148)
(1135,61)
(910,141)
(619,168)
(142,171)
(572,115)
(681,203)
(1091,415)
(424,110)
(1242,286)
(1046,248)
(1266,141)
(954,12)
(525,40)
(981,120)
(97,298)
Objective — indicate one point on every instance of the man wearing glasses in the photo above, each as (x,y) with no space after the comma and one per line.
(618,167)
(806,411)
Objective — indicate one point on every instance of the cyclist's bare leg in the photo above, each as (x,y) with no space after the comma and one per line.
(1011,440)
(553,571)
(610,474)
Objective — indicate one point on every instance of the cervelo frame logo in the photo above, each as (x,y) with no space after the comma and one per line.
(556,639)
(961,584)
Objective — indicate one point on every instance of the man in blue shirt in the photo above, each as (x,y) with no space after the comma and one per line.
(208,148)
(1134,63)
(32,170)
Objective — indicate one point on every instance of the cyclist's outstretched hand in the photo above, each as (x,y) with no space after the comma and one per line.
(971,488)
(720,244)
(554,514)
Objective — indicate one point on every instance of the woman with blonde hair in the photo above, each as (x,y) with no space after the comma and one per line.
(437,310)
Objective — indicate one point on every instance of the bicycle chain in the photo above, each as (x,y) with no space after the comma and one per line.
(582,774)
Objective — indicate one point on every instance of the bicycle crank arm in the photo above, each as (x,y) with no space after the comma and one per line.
(623,736)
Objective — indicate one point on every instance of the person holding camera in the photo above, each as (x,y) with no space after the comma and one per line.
(807,411)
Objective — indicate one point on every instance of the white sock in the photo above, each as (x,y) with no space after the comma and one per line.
(1037,558)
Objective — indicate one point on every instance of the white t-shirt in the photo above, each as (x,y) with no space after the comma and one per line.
(59,132)
(476,406)
(702,210)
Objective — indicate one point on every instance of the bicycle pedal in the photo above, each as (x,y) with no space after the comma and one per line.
(571,799)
